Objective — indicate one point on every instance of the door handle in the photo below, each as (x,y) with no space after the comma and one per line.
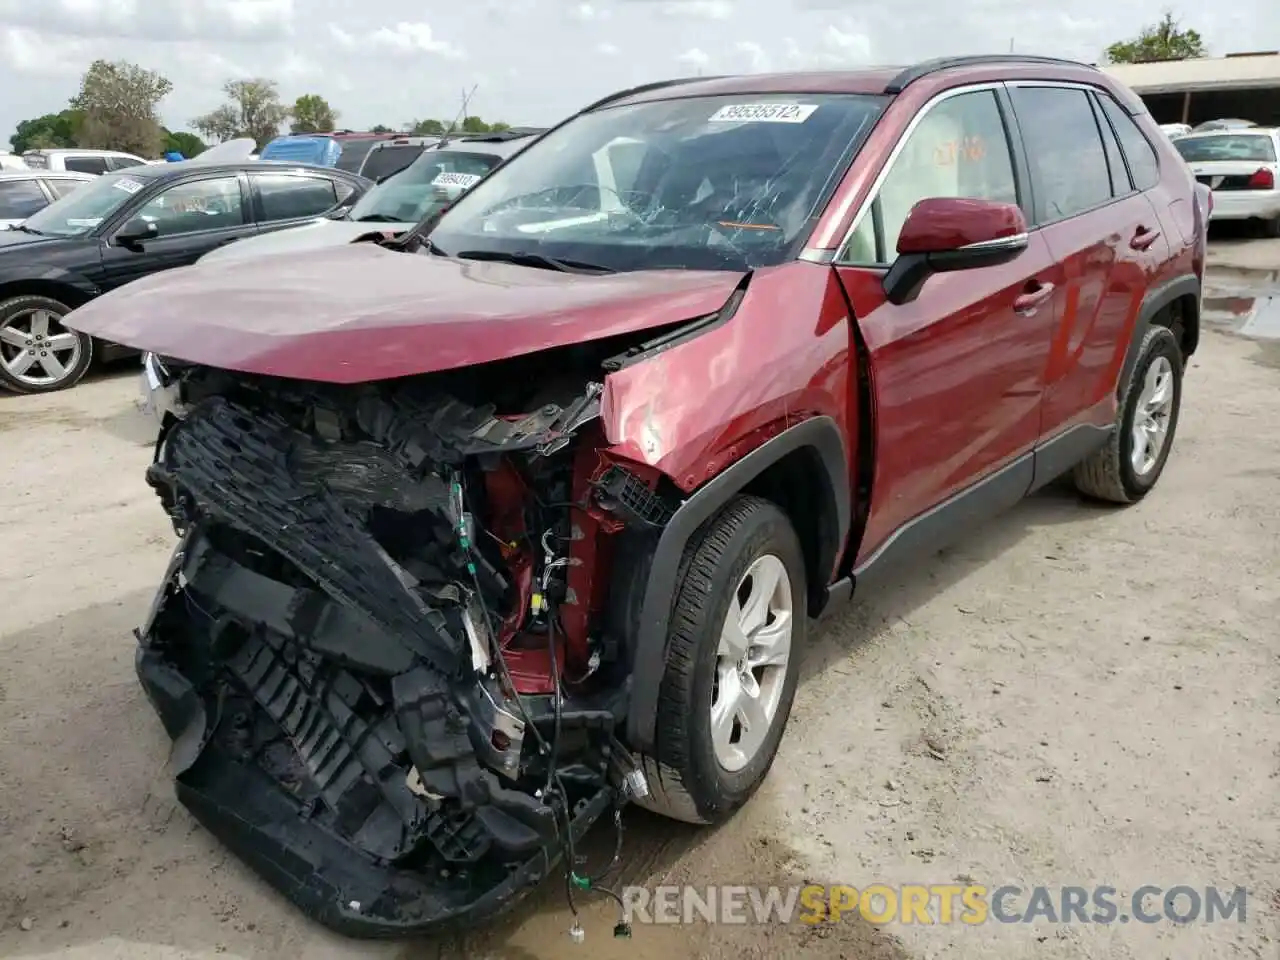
(1037,294)
(1144,238)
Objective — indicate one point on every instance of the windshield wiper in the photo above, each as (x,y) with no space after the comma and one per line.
(25,229)
(378,218)
(528,259)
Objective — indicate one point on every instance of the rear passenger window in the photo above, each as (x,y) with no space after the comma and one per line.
(1064,149)
(1137,148)
(958,149)
(289,198)
(1120,185)
(19,199)
(85,164)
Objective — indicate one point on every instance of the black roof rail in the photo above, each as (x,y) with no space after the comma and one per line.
(642,88)
(921,70)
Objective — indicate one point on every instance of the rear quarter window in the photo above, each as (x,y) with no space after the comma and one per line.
(85,164)
(1138,152)
(1252,147)
(290,198)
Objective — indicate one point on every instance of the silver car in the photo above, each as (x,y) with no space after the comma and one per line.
(438,177)
(24,192)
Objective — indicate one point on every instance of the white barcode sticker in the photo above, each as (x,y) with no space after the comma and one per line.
(764,113)
(463,180)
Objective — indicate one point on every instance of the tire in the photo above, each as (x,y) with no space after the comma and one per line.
(1110,474)
(20,324)
(688,781)
(1271,228)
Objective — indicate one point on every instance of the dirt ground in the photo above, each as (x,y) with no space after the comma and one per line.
(1077,696)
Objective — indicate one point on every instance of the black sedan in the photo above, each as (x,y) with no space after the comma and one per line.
(128,225)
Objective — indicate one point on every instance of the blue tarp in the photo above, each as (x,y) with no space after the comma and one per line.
(322,151)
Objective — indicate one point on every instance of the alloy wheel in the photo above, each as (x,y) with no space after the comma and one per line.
(751,662)
(36,350)
(1151,416)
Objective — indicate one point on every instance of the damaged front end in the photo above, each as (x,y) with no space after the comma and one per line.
(386,648)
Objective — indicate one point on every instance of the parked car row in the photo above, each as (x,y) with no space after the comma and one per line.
(490,528)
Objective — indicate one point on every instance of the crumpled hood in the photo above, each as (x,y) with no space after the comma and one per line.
(359,312)
(309,236)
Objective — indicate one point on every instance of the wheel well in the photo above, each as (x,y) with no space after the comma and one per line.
(1182,316)
(799,485)
(54,290)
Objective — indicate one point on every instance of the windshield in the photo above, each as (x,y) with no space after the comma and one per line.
(708,183)
(1228,146)
(385,161)
(353,154)
(437,177)
(80,211)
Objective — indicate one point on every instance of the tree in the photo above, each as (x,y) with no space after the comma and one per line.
(1162,41)
(381,128)
(312,114)
(476,125)
(187,144)
(119,102)
(254,110)
(51,130)
(426,128)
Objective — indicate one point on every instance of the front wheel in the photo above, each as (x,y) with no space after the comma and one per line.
(737,628)
(37,353)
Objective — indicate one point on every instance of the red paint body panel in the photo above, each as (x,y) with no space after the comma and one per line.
(783,357)
(1100,282)
(360,312)
(958,378)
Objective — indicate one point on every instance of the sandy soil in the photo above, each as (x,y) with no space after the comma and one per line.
(1077,696)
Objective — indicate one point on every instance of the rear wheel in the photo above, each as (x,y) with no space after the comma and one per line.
(1125,470)
(737,627)
(1271,228)
(37,353)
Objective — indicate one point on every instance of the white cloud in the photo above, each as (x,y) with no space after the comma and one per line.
(694,59)
(697,9)
(754,55)
(402,38)
(27,52)
(607,49)
(841,44)
(588,12)
(205,20)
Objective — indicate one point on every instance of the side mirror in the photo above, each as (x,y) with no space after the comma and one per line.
(946,234)
(136,231)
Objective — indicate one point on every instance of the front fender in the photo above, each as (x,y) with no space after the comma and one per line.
(820,435)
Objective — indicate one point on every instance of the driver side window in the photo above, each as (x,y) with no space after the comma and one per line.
(958,149)
(195,207)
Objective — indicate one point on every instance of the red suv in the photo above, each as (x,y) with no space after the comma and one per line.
(492,529)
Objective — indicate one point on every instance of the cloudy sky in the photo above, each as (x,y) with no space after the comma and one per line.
(534,60)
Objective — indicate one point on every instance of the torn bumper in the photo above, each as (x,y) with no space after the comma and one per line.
(338,720)
(318,872)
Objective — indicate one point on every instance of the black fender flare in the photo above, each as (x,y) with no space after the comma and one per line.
(53,277)
(1155,301)
(821,435)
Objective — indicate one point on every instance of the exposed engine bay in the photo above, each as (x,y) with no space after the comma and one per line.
(392,645)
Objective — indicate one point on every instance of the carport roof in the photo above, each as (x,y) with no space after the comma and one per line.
(1251,71)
